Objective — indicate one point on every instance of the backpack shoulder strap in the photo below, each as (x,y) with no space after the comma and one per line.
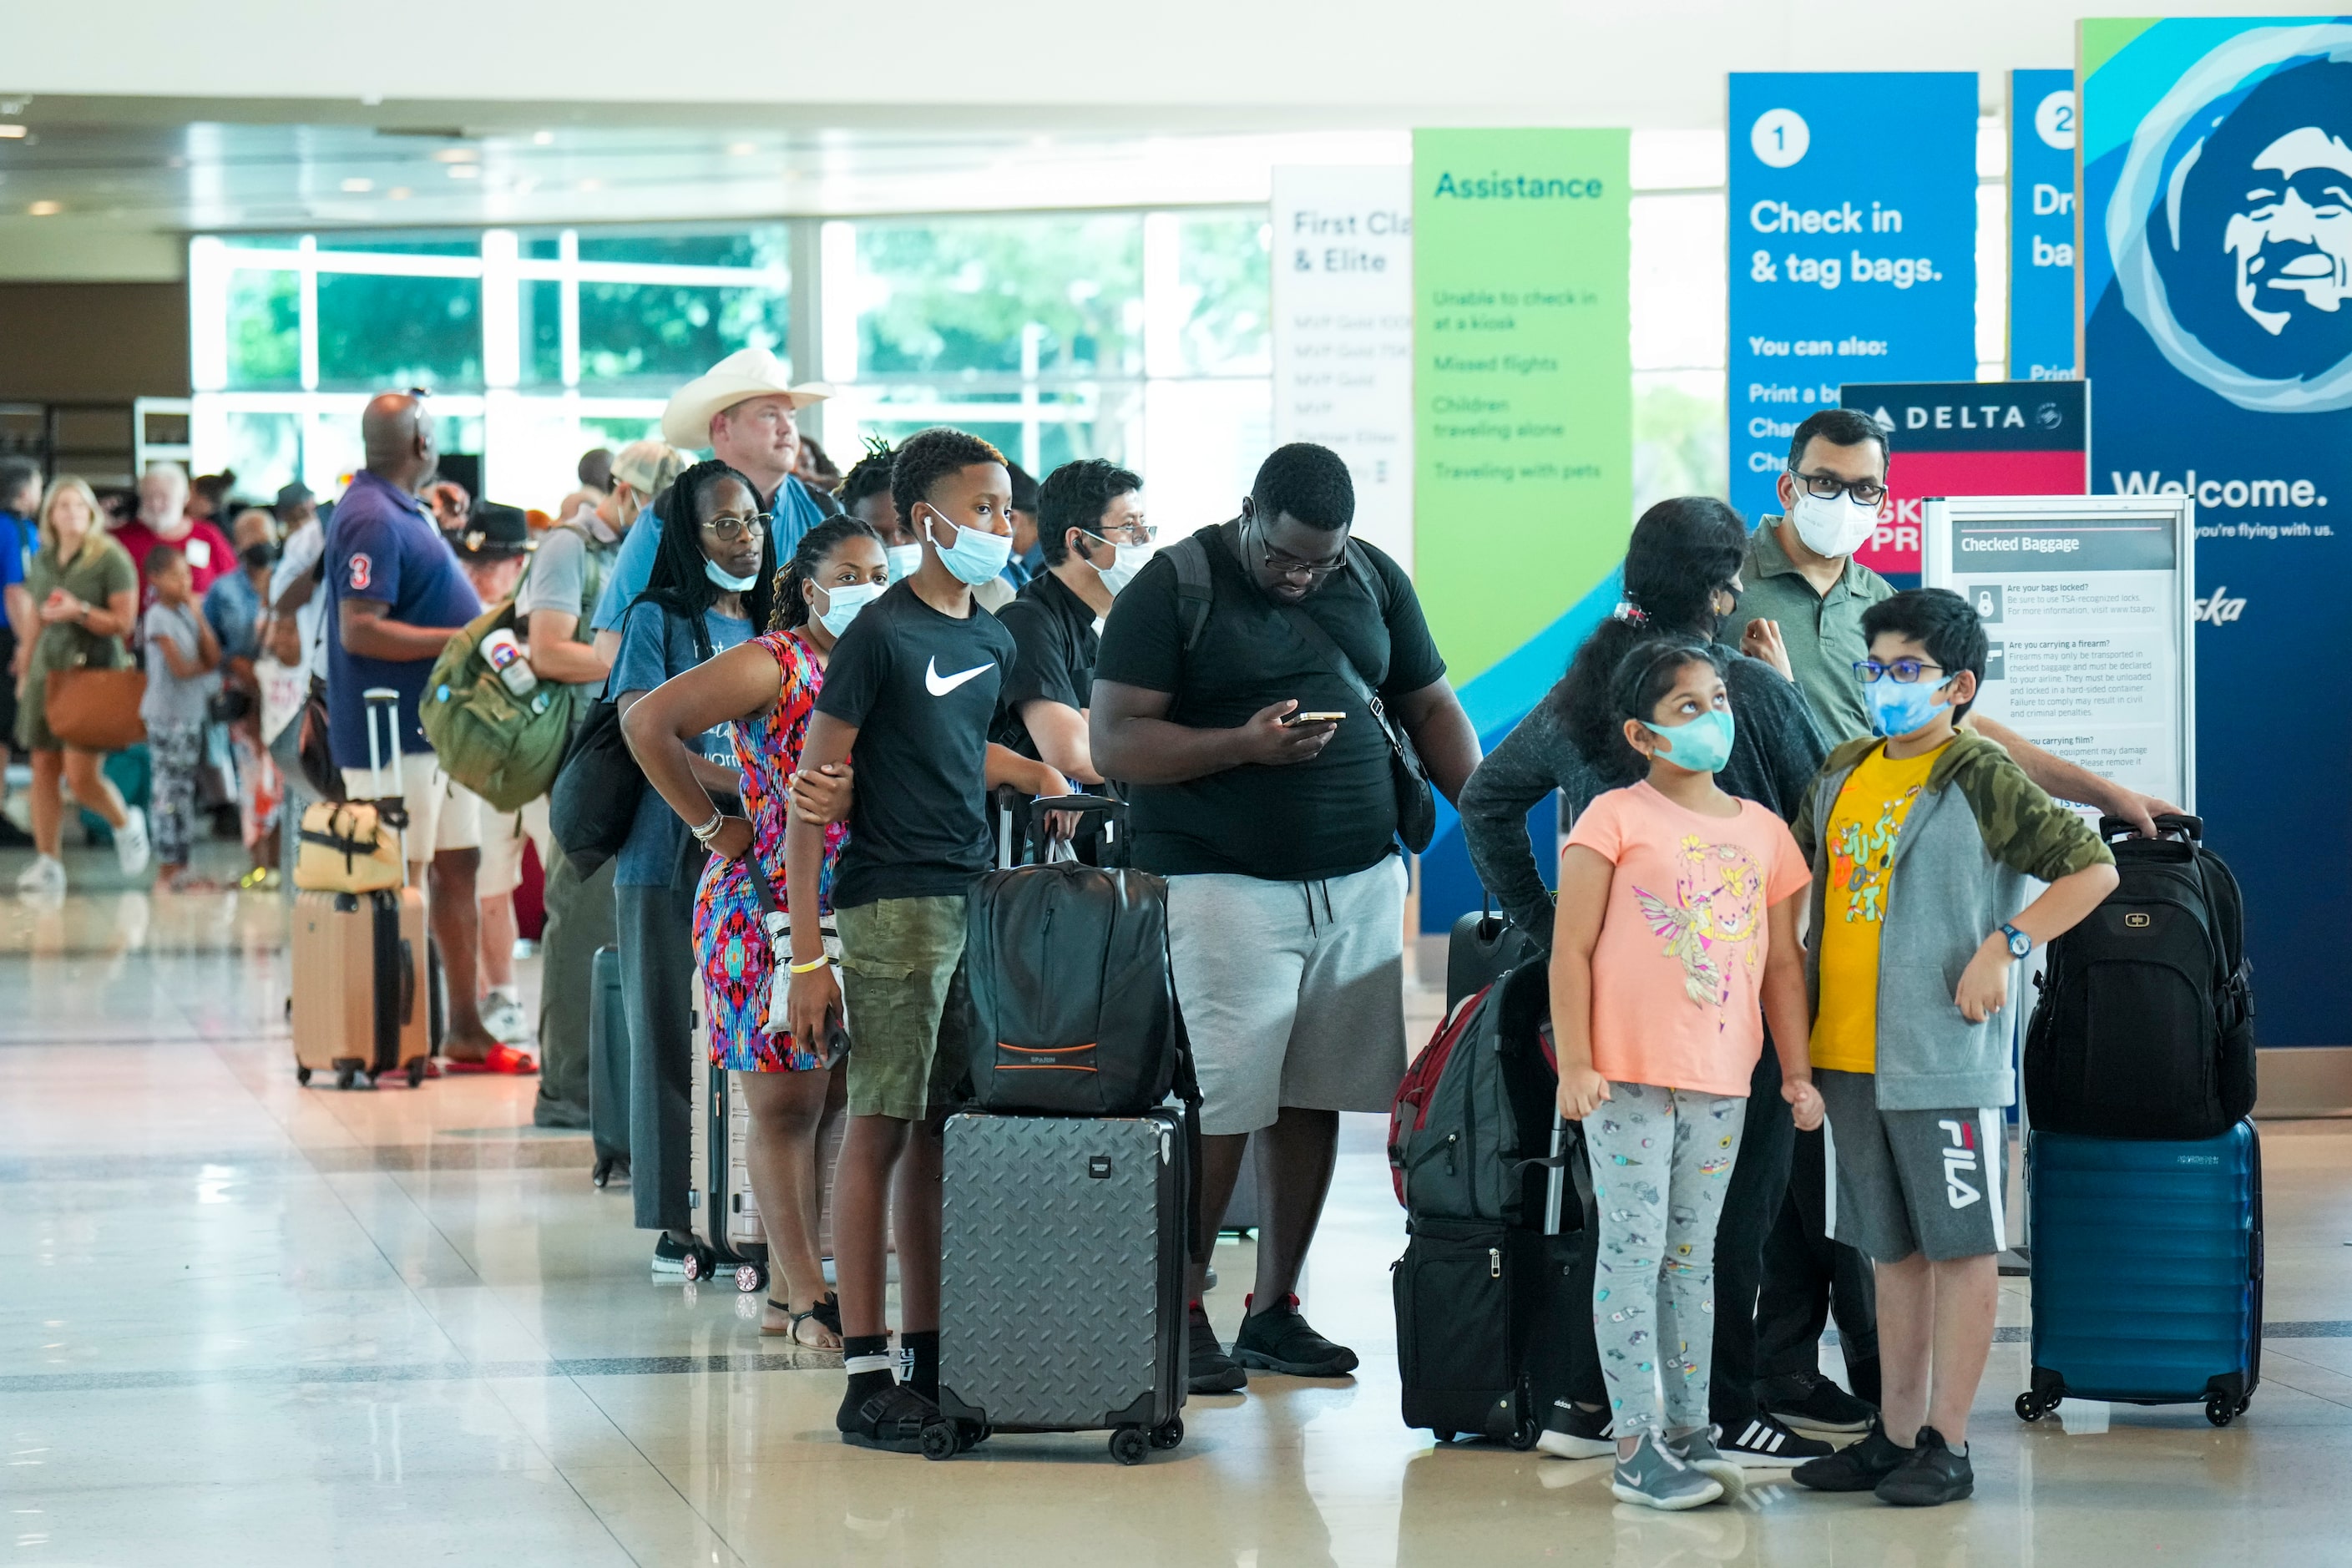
(1194,592)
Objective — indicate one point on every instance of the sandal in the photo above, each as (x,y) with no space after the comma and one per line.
(892,1421)
(499,1059)
(827,1313)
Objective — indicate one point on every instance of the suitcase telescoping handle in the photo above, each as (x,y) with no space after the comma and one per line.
(1113,812)
(384,702)
(2168,825)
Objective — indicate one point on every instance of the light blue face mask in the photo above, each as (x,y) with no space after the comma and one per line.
(1701,745)
(843,604)
(974,557)
(733,584)
(904,560)
(1896,708)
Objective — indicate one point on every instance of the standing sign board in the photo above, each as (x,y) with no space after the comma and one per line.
(1343,333)
(1853,237)
(2215,258)
(1969,438)
(2088,606)
(2040,224)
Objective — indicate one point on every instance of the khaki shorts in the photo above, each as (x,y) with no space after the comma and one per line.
(442,815)
(503,835)
(899,964)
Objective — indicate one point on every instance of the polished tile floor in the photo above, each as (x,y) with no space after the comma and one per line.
(244,1323)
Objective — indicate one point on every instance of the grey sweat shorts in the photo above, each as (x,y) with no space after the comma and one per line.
(1293,992)
(1913,1181)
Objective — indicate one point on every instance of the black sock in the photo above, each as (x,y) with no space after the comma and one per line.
(921,1353)
(865,1380)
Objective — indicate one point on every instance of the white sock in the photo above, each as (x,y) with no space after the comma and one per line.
(508,991)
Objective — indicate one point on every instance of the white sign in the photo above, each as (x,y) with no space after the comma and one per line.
(2089,604)
(1343,333)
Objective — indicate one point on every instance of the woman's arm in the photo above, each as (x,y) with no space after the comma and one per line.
(1584,876)
(1788,1013)
(122,613)
(1508,785)
(657,724)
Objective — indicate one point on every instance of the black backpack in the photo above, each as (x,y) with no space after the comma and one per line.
(2145,1028)
(1471,1128)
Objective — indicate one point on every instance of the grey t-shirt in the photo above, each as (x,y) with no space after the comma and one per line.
(171,702)
(559,575)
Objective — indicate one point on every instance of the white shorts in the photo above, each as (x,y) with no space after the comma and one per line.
(1293,992)
(441,815)
(503,834)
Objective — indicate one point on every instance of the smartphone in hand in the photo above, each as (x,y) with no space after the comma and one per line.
(1315,717)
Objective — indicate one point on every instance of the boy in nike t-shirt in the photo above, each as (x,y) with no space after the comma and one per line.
(912,686)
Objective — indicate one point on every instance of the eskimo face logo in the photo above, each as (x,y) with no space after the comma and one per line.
(2232,222)
(2293,240)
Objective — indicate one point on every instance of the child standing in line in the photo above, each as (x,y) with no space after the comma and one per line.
(1921,843)
(183,672)
(1678,913)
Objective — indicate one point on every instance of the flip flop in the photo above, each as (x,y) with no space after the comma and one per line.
(502,1058)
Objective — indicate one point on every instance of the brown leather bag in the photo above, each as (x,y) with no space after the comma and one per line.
(96,709)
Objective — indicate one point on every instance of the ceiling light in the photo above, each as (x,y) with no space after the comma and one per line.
(543,139)
(12,132)
(456,155)
(589,184)
(46,209)
(465,171)
(358,187)
(741,149)
(398,193)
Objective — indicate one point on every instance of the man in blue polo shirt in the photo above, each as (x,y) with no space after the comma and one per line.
(396,597)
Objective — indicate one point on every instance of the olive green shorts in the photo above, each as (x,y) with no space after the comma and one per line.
(899,962)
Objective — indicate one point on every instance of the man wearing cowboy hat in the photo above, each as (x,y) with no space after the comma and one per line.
(743,409)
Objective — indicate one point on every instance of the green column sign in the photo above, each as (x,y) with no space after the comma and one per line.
(1522,381)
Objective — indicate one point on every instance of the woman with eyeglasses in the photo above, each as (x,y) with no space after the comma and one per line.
(709,588)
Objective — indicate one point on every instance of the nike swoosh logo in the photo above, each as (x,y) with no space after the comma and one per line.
(940,685)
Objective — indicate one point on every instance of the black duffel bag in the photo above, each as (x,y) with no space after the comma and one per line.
(592,804)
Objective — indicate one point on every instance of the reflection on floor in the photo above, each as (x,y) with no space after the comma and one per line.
(247,1322)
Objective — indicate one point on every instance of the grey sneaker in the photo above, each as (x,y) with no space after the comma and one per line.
(1697,1450)
(1654,1477)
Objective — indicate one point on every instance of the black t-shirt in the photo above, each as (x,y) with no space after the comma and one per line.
(1328,817)
(1054,631)
(921,688)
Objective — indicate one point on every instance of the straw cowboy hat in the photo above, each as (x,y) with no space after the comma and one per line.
(746,373)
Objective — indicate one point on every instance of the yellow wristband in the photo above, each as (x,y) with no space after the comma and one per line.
(811,966)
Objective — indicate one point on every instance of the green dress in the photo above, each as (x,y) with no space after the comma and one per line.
(93,577)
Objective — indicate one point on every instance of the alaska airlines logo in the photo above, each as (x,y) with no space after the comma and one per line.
(2218,609)
(1960,1165)
(2232,222)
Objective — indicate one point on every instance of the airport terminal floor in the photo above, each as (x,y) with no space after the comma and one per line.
(247,1322)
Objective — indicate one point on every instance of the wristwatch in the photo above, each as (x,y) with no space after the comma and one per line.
(2020,945)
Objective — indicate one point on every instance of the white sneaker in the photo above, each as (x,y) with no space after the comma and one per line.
(131,842)
(501,1016)
(46,874)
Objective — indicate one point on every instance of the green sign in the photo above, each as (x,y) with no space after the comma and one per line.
(1522,381)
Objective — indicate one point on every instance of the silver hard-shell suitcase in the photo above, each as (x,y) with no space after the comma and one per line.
(1062,1279)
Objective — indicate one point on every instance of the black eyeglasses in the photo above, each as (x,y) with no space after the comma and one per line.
(1905,670)
(729,529)
(1284,566)
(1828,487)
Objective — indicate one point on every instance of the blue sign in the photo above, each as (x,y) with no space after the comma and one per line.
(2217,272)
(1853,233)
(2041,226)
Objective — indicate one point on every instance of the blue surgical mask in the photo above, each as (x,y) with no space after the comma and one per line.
(974,557)
(1701,745)
(843,604)
(1896,708)
(733,584)
(904,560)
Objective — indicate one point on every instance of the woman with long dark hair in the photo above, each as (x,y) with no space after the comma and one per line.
(1681,579)
(711,587)
(765,692)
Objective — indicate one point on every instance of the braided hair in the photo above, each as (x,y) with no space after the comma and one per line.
(792,606)
(677,581)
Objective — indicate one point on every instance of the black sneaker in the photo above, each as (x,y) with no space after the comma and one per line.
(1931,1475)
(1857,1468)
(1278,1340)
(669,1259)
(1812,1403)
(891,1421)
(1763,1442)
(1209,1369)
(1572,1431)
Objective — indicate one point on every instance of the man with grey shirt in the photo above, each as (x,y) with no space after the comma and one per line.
(567,574)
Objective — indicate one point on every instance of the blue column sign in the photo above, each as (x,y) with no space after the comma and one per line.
(1852,240)
(2041,226)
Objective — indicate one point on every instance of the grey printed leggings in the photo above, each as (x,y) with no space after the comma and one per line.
(1661,1161)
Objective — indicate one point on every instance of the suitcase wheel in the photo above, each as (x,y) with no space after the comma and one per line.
(1129,1444)
(749,1276)
(939,1441)
(416,1073)
(1169,1433)
(346,1075)
(2029,1408)
(1524,1434)
(2221,1412)
(700,1263)
(302,1075)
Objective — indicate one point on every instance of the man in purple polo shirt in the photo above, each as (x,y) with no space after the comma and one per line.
(396,597)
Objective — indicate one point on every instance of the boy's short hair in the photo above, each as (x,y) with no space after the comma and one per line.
(1076,495)
(1939,621)
(163,557)
(927,457)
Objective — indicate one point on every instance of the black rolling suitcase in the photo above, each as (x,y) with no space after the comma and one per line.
(1481,949)
(608,1070)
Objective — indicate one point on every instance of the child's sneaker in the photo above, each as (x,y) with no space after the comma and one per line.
(1697,1450)
(1857,1467)
(1572,1431)
(1654,1477)
(46,874)
(130,847)
(1931,1475)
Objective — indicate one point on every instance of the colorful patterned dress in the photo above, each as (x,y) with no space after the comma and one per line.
(729,943)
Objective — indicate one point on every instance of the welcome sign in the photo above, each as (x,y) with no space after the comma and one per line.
(2215,241)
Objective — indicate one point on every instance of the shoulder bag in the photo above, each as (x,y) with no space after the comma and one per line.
(593,802)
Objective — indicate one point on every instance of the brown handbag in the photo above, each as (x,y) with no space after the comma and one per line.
(96,709)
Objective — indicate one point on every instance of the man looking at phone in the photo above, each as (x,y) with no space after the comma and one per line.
(1261,787)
